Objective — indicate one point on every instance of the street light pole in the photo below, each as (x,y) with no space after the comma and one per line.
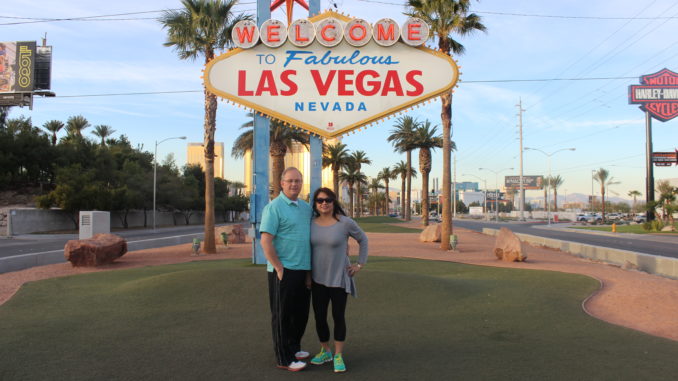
(496,185)
(593,176)
(548,192)
(155,170)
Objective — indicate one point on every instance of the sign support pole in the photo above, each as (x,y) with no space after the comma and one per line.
(315,140)
(260,154)
(649,169)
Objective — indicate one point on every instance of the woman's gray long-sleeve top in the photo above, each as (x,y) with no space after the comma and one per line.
(329,245)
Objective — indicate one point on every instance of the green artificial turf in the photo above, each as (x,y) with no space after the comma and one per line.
(382,224)
(414,319)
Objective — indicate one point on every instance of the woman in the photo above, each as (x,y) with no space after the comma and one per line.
(332,272)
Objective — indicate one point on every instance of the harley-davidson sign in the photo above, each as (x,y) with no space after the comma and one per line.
(657,94)
(330,74)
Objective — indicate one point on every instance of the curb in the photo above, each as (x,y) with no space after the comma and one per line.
(25,261)
(653,264)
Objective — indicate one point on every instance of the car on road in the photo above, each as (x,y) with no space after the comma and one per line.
(613,216)
(640,218)
(583,217)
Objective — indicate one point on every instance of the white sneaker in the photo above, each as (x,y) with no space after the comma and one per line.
(302,355)
(294,366)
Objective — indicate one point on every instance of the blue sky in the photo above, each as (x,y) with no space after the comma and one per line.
(597,39)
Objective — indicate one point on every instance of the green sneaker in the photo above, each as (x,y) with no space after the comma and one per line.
(339,364)
(322,357)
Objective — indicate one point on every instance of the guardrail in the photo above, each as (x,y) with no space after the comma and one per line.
(653,264)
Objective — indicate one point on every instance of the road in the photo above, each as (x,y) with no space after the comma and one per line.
(136,240)
(662,245)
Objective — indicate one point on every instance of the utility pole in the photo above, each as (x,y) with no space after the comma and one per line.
(522,186)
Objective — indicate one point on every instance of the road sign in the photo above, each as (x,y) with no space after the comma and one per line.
(337,83)
(665,159)
(657,94)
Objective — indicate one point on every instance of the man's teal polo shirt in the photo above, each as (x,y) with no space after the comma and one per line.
(290,225)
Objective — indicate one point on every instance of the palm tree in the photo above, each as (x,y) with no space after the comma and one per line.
(282,138)
(4,112)
(667,195)
(634,194)
(75,125)
(425,140)
(352,176)
(401,138)
(387,174)
(602,176)
(447,17)
(555,182)
(238,186)
(53,126)
(401,169)
(103,131)
(375,185)
(335,157)
(200,28)
(358,158)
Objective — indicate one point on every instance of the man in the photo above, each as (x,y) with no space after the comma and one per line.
(285,239)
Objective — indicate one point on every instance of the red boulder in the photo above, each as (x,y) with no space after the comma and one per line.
(101,249)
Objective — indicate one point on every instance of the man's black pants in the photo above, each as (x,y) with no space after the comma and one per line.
(290,300)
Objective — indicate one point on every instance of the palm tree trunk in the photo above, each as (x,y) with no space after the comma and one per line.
(402,196)
(424,197)
(408,214)
(555,199)
(210,127)
(277,168)
(386,201)
(335,181)
(350,200)
(446,118)
(602,196)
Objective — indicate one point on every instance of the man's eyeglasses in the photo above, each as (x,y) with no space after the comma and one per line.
(324,200)
(293,181)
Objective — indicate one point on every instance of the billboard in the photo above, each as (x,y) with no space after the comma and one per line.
(665,159)
(657,94)
(330,74)
(17,66)
(529,182)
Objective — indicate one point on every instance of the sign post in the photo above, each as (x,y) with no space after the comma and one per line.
(658,98)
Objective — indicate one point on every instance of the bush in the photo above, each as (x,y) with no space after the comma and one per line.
(653,226)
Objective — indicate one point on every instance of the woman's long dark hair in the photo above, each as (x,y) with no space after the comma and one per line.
(337,208)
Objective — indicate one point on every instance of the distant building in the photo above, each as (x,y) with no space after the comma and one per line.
(300,157)
(466,186)
(470,197)
(196,155)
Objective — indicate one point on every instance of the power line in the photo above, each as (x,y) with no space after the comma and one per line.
(548,79)
(573,17)
(542,16)
(124,94)
(94,18)
(479,81)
